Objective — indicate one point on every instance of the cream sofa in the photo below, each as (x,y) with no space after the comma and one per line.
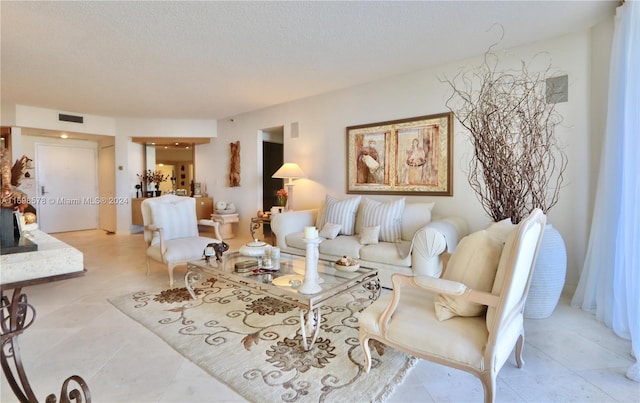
(416,247)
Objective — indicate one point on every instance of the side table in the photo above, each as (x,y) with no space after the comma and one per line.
(17,316)
(226,221)
(53,261)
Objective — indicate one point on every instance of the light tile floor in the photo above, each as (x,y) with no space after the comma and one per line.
(568,357)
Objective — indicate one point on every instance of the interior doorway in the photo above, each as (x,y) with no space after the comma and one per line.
(272,160)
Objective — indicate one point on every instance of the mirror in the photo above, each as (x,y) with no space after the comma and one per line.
(175,160)
(174,157)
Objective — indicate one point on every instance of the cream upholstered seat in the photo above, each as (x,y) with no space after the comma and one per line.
(422,316)
(171,231)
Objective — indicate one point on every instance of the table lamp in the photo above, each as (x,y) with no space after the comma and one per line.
(289,171)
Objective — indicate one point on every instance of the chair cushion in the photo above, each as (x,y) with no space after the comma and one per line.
(421,333)
(501,272)
(386,215)
(343,245)
(414,217)
(384,253)
(473,263)
(180,250)
(369,235)
(330,230)
(342,212)
(177,219)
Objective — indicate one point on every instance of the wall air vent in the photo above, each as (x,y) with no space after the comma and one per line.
(70,118)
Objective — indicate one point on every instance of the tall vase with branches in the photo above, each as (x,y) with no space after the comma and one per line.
(517,163)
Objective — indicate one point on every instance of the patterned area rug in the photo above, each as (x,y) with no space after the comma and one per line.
(252,343)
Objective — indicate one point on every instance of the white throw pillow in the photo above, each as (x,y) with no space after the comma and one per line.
(342,212)
(388,216)
(330,230)
(473,263)
(415,216)
(369,235)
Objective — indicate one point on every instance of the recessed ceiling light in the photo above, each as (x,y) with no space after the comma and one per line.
(64,136)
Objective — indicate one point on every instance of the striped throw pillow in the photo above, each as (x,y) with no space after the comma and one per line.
(342,212)
(387,215)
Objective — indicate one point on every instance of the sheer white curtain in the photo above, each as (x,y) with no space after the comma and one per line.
(610,280)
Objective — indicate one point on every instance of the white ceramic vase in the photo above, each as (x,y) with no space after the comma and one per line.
(548,276)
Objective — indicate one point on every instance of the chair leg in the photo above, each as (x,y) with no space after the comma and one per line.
(519,347)
(366,350)
(170,267)
(148,268)
(489,384)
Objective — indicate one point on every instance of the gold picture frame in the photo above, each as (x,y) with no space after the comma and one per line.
(406,156)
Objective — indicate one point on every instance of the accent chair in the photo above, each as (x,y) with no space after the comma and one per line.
(470,323)
(171,231)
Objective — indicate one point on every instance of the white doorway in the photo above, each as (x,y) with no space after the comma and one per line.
(66,187)
(107,188)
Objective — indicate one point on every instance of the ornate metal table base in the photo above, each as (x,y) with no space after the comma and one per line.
(17,316)
(311,319)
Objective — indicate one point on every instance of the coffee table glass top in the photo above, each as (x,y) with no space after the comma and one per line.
(282,280)
(287,274)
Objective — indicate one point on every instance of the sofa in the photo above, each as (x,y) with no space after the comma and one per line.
(393,236)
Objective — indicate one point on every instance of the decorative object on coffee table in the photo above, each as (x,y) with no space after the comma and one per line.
(347,264)
(253,249)
(311,285)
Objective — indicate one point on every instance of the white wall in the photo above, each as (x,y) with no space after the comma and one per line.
(128,161)
(42,118)
(320,149)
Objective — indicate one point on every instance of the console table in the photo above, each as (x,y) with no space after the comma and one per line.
(204,209)
(53,261)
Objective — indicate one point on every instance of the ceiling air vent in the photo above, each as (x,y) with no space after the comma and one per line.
(70,118)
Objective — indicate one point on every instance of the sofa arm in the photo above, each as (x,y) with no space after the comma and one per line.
(290,222)
(434,239)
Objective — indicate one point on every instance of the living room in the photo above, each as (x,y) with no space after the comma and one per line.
(314,136)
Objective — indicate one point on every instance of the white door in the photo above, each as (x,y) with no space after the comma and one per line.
(66,177)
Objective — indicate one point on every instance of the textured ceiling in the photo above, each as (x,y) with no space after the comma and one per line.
(210,60)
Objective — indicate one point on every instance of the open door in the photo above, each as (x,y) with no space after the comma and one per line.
(272,160)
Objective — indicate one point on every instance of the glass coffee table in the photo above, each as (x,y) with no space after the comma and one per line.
(282,281)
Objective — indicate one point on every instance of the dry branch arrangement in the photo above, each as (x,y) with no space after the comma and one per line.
(517,163)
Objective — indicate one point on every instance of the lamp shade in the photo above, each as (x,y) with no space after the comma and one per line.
(289,170)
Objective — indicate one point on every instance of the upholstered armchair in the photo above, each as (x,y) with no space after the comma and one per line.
(171,231)
(471,318)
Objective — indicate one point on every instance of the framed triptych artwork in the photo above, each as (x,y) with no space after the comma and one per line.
(407,156)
